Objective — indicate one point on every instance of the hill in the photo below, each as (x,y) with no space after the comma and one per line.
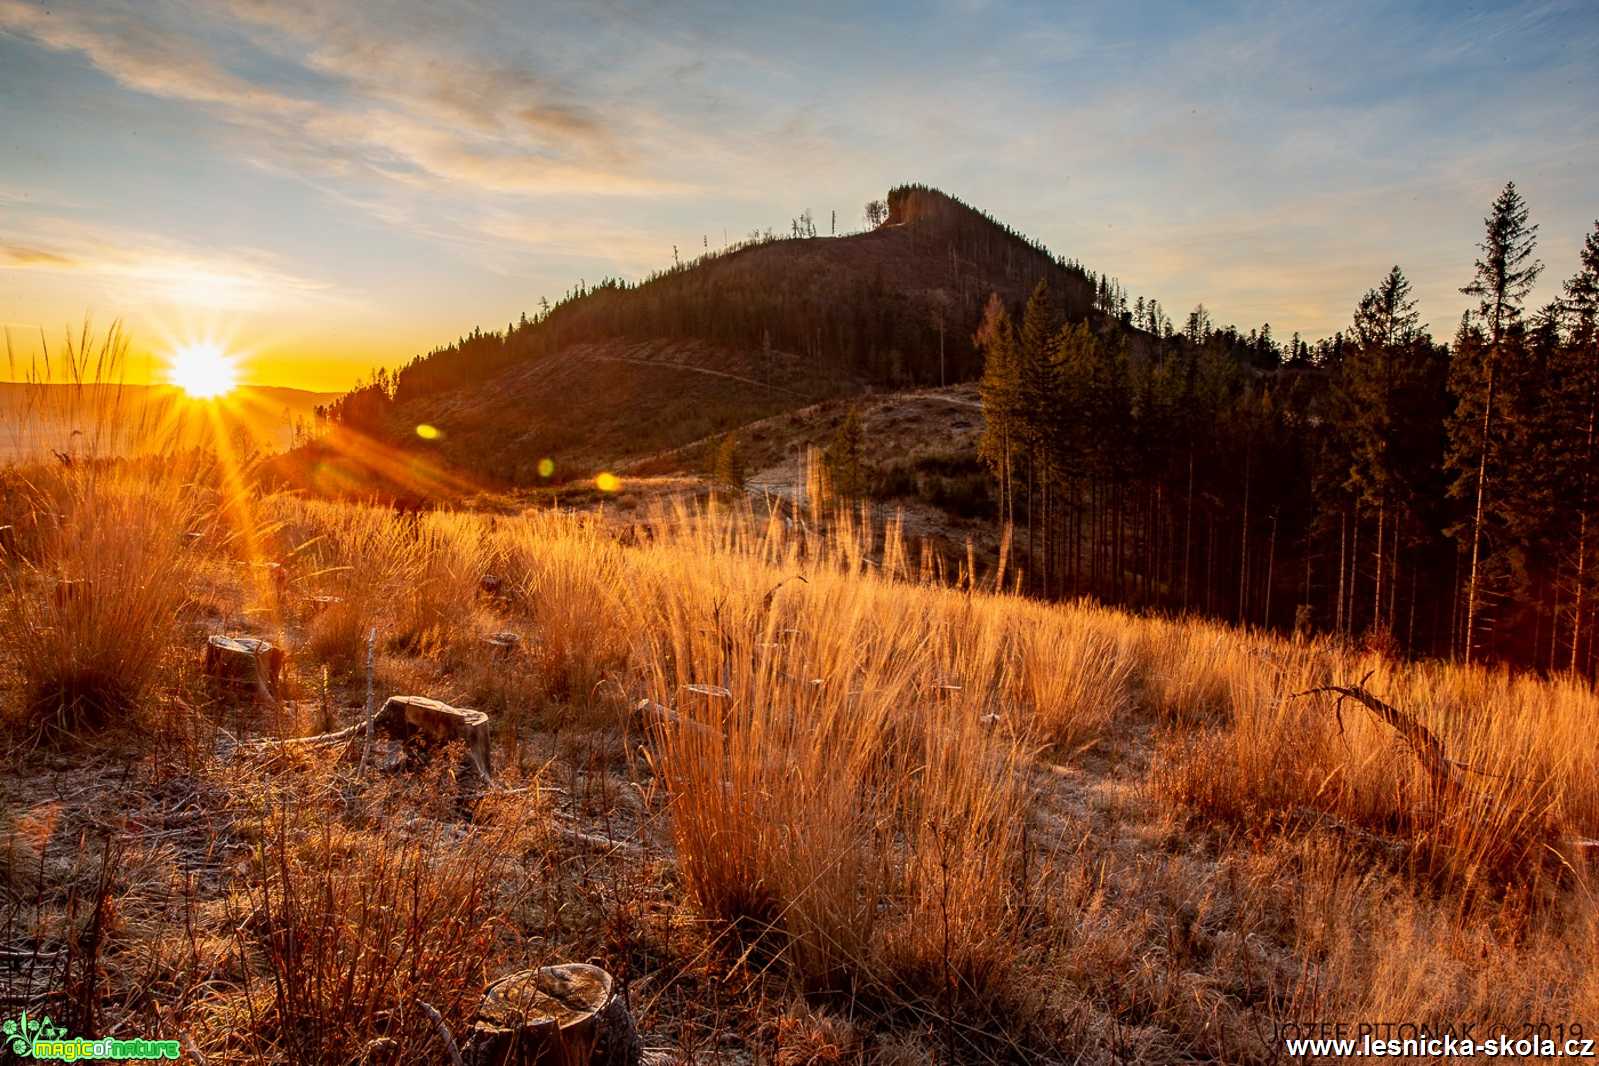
(618,371)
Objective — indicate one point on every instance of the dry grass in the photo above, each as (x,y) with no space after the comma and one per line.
(850,804)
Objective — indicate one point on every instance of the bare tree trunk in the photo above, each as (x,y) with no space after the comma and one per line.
(1582,534)
(1354,572)
(1376,607)
(1188,529)
(1343,568)
(1271,563)
(1476,522)
(1243,539)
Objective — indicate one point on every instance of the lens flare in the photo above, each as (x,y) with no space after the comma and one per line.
(427,432)
(607,482)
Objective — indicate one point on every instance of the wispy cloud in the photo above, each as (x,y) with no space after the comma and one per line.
(381,87)
(139,267)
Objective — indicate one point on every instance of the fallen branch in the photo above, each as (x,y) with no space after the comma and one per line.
(444,1031)
(1428,749)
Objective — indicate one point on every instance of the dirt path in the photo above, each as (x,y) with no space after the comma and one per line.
(691,368)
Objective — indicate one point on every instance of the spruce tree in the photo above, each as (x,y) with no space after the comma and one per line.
(846,456)
(1578,377)
(728,469)
(1505,272)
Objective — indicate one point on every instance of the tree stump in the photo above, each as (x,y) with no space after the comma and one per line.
(244,662)
(568,1015)
(503,645)
(418,722)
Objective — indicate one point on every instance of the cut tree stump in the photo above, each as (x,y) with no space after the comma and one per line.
(503,645)
(419,722)
(244,662)
(416,722)
(568,1015)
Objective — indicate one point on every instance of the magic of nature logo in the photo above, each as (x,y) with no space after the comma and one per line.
(40,1038)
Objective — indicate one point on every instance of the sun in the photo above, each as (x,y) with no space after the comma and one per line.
(203,371)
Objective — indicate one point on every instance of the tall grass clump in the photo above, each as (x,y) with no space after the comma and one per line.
(839,792)
(98,575)
(94,614)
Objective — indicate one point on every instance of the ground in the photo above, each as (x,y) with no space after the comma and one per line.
(902,823)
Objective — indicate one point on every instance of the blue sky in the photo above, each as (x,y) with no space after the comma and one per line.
(331,187)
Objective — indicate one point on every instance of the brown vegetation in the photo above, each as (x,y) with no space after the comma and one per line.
(889,819)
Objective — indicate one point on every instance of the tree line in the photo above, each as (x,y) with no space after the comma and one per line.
(1431,498)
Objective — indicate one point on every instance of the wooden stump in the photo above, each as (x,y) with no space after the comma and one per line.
(503,645)
(569,1015)
(419,722)
(244,662)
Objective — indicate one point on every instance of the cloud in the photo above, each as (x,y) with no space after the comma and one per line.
(394,92)
(23,256)
(135,267)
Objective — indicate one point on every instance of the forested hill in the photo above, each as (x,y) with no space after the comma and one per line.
(871,305)
(805,316)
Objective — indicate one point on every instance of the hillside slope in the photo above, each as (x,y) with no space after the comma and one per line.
(619,372)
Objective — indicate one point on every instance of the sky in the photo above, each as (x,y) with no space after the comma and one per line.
(326,188)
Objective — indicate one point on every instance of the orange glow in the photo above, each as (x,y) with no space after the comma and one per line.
(203,370)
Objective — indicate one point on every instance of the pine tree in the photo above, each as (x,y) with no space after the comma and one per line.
(846,456)
(1505,274)
(1038,399)
(1388,402)
(1579,376)
(729,467)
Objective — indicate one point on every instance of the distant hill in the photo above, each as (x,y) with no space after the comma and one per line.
(618,371)
(115,419)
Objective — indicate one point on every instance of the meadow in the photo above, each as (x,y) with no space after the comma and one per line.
(813,794)
(811,791)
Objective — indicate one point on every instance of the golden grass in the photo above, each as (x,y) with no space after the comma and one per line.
(853,790)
